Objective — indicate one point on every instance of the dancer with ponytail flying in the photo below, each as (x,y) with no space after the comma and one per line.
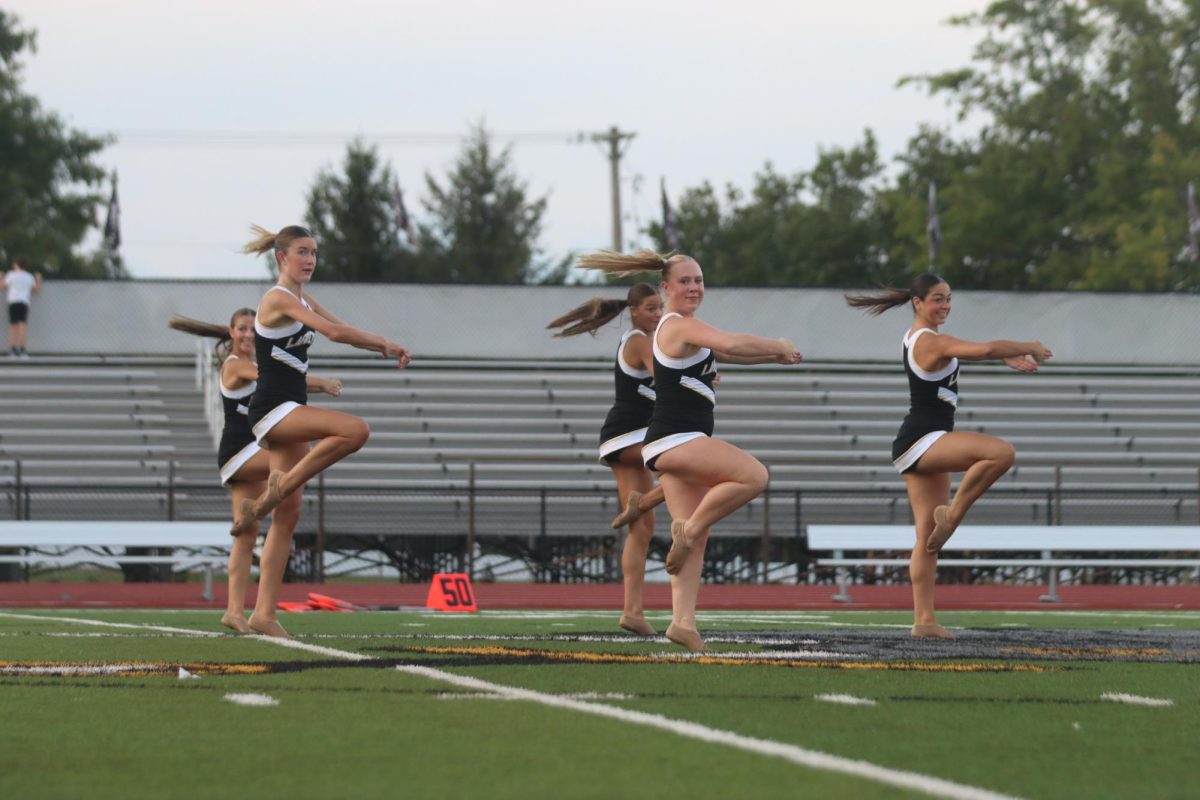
(927,448)
(705,479)
(242,463)
(623,431)
(288,319)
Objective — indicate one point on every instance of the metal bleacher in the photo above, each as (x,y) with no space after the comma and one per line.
(508,448)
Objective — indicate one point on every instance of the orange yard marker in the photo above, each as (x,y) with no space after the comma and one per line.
(451,591)
(293,607)
(323,603)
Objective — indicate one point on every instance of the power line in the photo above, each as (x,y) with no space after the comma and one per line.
(203,138)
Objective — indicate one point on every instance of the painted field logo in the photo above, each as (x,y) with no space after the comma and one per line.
(451,591)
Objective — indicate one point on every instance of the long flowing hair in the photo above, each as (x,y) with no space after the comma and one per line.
(889,297)
(211,330)
(599,311)
(631,263)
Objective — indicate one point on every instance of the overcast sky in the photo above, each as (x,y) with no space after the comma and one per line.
(713,90)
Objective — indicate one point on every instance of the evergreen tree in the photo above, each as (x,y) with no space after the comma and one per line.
(353,216)
(483,227)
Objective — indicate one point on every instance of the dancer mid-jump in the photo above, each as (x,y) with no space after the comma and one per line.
(242,463)
(278,412)
(705,479)
(926,449)
(623,431)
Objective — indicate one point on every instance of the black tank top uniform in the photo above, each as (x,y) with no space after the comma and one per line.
(684,399)
(934,397)
(282,355)
(626,422)
(237,440)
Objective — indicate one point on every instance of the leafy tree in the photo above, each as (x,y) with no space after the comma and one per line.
(483,227)
(353,216)
(1078,177)
(43,165)
(817,228)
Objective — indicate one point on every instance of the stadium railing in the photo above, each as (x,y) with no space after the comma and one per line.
(990,539)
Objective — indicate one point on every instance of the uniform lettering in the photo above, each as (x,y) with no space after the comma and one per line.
(303,339)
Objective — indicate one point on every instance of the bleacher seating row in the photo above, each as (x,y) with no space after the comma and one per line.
(110,440)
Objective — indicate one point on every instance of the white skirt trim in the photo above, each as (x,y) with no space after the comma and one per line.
(912,454)
(621,442)
(273,417)
(660,446)
(230,467)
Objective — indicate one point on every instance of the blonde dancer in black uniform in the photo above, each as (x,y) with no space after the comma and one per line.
(705,479)
(623,431)
(242,463)
(278,412)
(927,449)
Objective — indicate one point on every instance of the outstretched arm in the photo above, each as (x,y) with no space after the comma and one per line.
(729,347)
(943,347)
(726,358)
(330,386)
(282,303)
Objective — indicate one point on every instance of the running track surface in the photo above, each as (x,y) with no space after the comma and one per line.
(608,596)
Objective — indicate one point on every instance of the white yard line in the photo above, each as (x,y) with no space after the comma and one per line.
(935,787)
(845,699)
(251,699)
(1136,699)
(80,621)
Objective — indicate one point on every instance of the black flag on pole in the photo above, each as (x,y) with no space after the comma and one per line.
(670,220)
(933,228)
(1193,224)
(112,223)
(402,218)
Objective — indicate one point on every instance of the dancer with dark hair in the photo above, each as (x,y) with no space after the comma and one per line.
(705,479)
(927,449)
(278,413)
(242,463)
(623,431)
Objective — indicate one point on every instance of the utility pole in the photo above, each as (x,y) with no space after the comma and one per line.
(618,142)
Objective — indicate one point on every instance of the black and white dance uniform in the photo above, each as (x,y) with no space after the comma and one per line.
(934,397)
(627,420)
(282,355)
(684,399)
(237,440)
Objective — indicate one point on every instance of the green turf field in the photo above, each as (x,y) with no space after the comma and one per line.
(560,704)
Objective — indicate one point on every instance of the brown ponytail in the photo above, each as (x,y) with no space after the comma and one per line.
(211,330)
(890,297)
(599,311)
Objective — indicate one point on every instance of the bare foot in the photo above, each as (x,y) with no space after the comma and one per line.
(245,519)
(942,530)
(637,625)
(681,547)
(268,627)
(235,622)
(931,631)
(272,497)
(686,637)
(630,513)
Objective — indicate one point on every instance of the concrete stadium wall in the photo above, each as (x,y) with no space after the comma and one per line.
(90,317)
